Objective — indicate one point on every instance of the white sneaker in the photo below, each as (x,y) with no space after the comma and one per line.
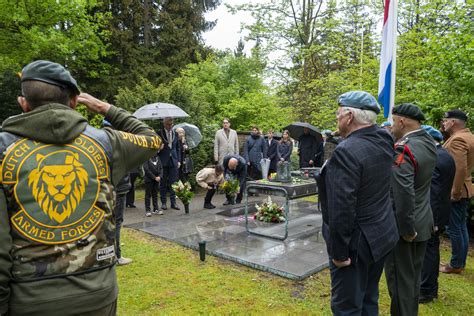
(148,214)
(123,261)
(158,212)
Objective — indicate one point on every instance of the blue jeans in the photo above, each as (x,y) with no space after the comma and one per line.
(458,234)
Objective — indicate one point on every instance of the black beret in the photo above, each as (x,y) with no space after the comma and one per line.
(456,114)
(359,100)
(49,72)
(409,110)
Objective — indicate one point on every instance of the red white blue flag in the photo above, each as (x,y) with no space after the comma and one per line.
(386,94)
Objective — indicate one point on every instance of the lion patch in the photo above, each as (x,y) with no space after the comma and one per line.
(56,187)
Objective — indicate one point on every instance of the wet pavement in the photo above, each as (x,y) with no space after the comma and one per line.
(301,254)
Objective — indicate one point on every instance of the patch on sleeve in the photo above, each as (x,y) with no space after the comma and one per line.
(105,253)
(141,140)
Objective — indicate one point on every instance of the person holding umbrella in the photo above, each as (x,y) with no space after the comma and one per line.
(309,150)
(170,157)
(186,165)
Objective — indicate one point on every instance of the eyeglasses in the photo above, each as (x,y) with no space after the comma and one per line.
(225,122)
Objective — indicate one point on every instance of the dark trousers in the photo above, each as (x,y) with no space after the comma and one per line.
(119,208)
(131,192)
(170,176)
(403,273)
(254,171)
(108,310)
(430,271)
(151,192)
(210,193)
(355,289)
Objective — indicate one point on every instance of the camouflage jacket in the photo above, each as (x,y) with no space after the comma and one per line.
(58,176)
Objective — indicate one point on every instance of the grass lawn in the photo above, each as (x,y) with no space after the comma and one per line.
(166,278)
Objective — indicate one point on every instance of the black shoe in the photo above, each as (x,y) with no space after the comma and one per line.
(425,299)
(175,207)
(208,206)
(238,201)
(228,203)
(131,206)
(163,207)
(212,205)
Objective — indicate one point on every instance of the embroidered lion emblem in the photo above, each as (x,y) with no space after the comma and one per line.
(58,183)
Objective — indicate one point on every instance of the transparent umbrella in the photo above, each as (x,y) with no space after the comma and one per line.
(193,134)
(157,111)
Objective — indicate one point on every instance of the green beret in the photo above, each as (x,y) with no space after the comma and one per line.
(409,110)
(359,100)
(49,72)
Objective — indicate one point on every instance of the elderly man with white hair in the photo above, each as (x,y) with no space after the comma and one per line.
(359,225)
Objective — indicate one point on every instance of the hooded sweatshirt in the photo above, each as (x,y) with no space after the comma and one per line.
(56,207)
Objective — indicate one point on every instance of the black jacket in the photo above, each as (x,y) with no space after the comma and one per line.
(441,183)
(309,149)
(124,185)
(272,152)
(152,169)
(240,171)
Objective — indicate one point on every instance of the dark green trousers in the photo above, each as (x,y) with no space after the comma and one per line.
(109,310)
(403,273)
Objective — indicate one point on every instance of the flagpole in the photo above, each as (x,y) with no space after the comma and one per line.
(394,60)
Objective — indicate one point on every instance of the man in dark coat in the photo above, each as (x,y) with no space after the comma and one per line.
(254,151)
(309,150)
(411,178)
(235,167)
(359,224)
(440,199)
(170,157)
(271,150)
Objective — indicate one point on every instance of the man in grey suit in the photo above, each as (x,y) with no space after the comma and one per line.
(226,142)
(413,167)
(359,223)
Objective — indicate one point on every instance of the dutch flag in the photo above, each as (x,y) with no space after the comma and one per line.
(388,59)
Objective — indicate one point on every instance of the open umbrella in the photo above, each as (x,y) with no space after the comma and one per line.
(157,111)
(296,130)
(193,134)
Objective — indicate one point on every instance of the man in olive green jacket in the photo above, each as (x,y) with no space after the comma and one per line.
(415,160)
(57,227)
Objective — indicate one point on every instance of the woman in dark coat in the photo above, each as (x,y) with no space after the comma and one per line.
(285,147)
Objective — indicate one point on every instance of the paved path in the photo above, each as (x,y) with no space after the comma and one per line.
(303,253)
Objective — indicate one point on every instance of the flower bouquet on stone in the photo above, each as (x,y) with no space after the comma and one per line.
(270,212)
(183,192)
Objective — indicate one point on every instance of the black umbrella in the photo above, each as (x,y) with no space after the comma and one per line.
(296,130)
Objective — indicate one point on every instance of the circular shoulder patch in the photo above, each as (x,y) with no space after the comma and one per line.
(56,188)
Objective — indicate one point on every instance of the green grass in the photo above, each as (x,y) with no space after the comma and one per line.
(166,278)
